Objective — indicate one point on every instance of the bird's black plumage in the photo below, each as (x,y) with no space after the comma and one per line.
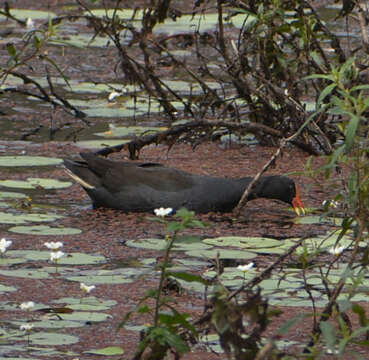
(137,187)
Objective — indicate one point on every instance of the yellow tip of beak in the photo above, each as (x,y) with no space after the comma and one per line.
(299,210)
(297,204)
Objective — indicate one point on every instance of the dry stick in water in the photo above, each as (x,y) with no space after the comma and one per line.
(246,193)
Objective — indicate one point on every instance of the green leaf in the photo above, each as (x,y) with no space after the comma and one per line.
(360,311)
(174,227)
(346,66)
(188,277)
(359,87)
(12,51)
(316,57)
(287,325)
(107,351)
(333,160)
(351,131)
(177,319)
(326,92)
(164,336)
(319,76)
(328,334)
(52,62)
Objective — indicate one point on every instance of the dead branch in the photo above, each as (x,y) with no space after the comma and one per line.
(169,136)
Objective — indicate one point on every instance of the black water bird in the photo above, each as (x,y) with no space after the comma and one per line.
(139,187)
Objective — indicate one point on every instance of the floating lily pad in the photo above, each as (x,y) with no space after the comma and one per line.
(4,288)
(84,316)
(89,303)
(186,88)
(314,219)
(53,322)
(90,87)
(223,254)
(11,195)
(106,112)
(123,131)
(117,276)
(6,261)
(49,338)
(34,183)
(67,259)
(101,279)
(107,351)
(99,144)
(26,273)
(126,14)
(81,40)
(44,230)
(160,244)
(23,14)
(9,218)
(25,160)
(243,242)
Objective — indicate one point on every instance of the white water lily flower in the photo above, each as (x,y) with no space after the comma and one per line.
(246,268)
(336,250)
(87,289)
(55,256)
(30,24)
(4,244)
(26,327)
(27,305)
(163,211)
(330,203)
(53,245)
(113,95)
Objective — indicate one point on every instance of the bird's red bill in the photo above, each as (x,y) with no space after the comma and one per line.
(297,203)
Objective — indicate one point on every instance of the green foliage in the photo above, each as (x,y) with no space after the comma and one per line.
(346,99)
(168,329)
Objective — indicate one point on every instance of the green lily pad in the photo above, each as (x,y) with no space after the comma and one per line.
(67,259)
(90,87)
(121,13)
(6,261)
(101,279)
(107,112)
(84,316)
(4,288)
(186,88)
(26,273)
(23,14)
(11,195)
(81,40)
(53,322)
(243,242)
(223,254)
(34,183)
(314,219)
(88,300)
(160,244)
(25,160)
(188,23)
(49,338)
(107,351)
(9,218)
(44,230)
(99,144)
(123,131)
(117,276)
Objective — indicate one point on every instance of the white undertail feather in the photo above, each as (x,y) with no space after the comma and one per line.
(78,179)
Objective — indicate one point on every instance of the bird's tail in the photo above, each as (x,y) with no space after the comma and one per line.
(79,172)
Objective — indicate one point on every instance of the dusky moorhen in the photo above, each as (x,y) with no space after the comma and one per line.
(137,187)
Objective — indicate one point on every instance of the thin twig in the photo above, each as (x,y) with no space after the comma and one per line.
(271,161)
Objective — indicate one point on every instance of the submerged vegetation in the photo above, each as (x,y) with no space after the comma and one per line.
(278,70)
